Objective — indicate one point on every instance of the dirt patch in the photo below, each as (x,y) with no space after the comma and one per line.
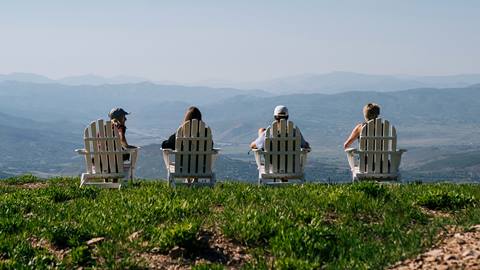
(456,250)
(35,185)
(45,244)
(217,208)
(212,247)
(435,213)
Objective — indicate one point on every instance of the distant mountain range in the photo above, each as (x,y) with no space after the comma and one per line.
(337,82)
(88,79)
(328,83)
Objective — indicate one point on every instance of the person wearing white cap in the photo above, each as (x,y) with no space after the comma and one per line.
(280,112)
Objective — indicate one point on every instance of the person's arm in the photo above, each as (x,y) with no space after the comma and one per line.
(355,134)
(258,143)
(123,139)
(170,143)
(304,144)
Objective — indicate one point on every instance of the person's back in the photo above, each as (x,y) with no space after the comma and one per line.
(280,112)
(191,114)
(370,111)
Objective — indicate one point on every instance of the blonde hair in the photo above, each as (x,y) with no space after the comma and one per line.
(371,111)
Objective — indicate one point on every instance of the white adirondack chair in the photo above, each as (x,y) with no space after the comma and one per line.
(377,157)
(104,157)
(194,155)
(282,157)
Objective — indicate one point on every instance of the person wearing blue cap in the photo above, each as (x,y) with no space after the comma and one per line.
(118,118)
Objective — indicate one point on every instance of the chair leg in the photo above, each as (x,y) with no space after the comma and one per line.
(82,180)
(213,180)
(171,180)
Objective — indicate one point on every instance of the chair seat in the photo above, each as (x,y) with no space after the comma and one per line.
(103,184)
(279,175)
(103,175)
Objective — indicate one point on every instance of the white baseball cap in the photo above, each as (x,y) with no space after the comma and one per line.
(280,110)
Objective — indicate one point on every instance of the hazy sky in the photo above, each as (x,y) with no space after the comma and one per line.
(189,41)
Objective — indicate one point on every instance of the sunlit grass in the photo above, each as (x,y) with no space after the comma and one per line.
(295,227)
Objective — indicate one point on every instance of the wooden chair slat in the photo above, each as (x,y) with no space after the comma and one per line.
(362,145)
(201,147)
(96,156)
(393,160)
(282,147)
(386,147)
(88,149)
(378,146)
(370,145)
(289,147)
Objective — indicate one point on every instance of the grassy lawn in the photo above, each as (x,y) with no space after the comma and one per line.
(361,226)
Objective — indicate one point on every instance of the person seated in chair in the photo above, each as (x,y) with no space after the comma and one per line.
(118,118)
(280,112)
(191,114)
(370,111)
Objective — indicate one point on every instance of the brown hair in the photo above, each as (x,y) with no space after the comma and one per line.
(371,111)
(192,113)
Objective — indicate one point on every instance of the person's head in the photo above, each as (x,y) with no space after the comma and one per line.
(371,111)
(280,112)
(118,115)
(192,113)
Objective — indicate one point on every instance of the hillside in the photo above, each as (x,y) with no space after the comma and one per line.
(148,225)
(432,123)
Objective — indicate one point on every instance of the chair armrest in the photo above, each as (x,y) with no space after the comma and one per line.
(167,151)
(258,157)
(402,150)
(351,150)
(81,151)
(216,150)
(132,149)
(305,150)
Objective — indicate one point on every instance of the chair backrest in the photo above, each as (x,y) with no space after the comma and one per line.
(283,148)
(378,140)
(193,149)
(103,148)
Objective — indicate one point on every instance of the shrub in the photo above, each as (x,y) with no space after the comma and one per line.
(293,264)
(67,235)
(179,234)
(310,243)
(22,179)
(60,194)
(23,252)
(445,200)
(373,190)
(251,226)
(81,256)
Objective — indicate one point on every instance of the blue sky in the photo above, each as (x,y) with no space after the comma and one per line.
(189,41)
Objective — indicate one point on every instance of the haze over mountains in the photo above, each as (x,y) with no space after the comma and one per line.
(41,123)
(337,82)
(328,83)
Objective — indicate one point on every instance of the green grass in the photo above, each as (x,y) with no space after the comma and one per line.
(361,226)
